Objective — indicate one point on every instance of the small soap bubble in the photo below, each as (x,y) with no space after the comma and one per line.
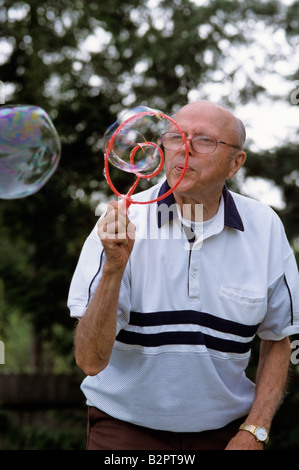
(133,150)
(29,150)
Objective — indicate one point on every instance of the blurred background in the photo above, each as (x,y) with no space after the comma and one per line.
(84,63)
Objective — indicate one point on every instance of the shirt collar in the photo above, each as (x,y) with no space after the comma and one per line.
(232,217)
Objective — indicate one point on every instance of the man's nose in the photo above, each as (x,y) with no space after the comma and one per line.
(189,144)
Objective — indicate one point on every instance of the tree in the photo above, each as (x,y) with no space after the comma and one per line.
(84,62)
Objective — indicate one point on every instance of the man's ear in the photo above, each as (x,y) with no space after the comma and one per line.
(237,162)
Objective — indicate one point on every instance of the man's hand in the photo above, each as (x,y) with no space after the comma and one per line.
(117,234)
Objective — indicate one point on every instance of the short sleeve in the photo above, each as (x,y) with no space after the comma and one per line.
(88,269)
(282,318)
(87,277)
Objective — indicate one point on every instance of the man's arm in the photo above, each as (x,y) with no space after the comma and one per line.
(271,381)
(96,330)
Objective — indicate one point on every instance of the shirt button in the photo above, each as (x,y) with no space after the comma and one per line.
(194,275)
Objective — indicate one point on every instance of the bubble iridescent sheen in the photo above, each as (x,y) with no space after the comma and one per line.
(135,137)
(29,150)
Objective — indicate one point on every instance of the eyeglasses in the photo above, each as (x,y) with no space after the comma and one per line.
(200,143)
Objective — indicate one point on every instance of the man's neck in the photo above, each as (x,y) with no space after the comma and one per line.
(210,203)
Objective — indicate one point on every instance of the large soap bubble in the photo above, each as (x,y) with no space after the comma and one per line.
(29,150)
(133,144)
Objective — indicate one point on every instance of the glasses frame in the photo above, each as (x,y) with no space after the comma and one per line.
(199,135)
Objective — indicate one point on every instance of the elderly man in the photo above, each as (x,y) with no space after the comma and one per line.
(167,322)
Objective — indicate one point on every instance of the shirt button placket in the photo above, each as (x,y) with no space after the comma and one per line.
(194,274)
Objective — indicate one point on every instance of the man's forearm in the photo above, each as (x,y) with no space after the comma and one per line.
(271,382)
(96,330)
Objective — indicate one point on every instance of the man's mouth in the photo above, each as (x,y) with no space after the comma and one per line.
(180,168)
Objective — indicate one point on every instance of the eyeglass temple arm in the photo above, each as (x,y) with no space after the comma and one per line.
(230,145)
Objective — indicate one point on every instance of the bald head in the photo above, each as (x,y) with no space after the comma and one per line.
(223,123)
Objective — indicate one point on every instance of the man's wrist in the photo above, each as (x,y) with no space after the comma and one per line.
(110,270)
(259,432)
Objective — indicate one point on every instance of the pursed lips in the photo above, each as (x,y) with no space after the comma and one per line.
(180,167)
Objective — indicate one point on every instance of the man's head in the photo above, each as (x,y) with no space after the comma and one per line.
(206,171)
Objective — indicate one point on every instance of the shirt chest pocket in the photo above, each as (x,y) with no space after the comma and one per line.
(242,305)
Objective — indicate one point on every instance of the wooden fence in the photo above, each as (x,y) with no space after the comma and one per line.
(40,390)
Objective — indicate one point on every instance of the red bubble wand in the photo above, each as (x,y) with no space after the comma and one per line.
(139,175)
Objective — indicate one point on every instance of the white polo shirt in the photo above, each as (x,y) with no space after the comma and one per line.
(188,312)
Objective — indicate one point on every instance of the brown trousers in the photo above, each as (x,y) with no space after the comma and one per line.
(107,433)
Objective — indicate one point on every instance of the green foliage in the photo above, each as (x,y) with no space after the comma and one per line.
(56,430)
(17,340)
(84,62)
(280,166)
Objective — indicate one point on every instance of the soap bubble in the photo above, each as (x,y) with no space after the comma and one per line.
(135,145)
(29,150)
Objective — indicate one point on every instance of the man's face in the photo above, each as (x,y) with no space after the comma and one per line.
(204,171)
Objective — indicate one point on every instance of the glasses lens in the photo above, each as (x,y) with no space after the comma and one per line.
(172,141)
(204,144)
(200,143)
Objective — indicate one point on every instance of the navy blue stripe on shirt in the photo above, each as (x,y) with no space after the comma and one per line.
(91,282)
(187,337)
(193,317)
(183,337)
(291,300)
